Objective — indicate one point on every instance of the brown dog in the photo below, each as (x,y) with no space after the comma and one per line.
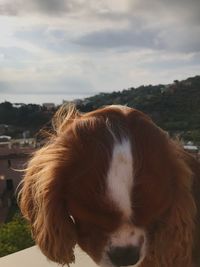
(117,185)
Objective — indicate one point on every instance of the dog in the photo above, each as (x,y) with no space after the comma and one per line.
(114,183)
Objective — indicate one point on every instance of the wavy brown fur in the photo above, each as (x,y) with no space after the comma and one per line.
(174,241)
(42,199)
(45,185)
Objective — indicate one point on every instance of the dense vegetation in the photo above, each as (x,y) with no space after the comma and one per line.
(174,107)
(14,236)
(29,117)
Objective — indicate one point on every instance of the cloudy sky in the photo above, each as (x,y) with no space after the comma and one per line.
(52,50)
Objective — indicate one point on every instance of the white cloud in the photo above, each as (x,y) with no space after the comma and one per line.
(59,7)
(80,47)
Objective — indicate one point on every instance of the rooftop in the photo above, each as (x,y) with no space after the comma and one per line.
(191,147)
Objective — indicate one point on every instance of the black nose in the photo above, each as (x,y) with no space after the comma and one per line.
(124,256)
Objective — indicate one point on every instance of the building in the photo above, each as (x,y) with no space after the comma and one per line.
(8,142)
(192,149)
(12,164)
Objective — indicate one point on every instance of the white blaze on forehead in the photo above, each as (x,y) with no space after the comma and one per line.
(120,177)
(124,109)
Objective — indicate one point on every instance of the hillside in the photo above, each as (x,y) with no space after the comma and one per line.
(174,107)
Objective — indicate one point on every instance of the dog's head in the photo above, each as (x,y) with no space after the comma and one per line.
(108,181)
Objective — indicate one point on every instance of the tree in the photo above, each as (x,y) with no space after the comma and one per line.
(14,236)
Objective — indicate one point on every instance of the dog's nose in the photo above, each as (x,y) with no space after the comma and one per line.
(124,256)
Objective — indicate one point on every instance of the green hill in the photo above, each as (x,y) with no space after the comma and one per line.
(174,107)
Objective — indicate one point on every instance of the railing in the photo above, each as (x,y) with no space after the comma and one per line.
(32,257)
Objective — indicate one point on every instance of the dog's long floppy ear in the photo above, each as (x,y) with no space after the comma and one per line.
(43,202)
(172,239)
(180,222)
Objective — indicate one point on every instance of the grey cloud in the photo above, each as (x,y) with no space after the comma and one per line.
(183,39)
(8,9)
(171,63)
(14,53)
(46,7)
(50,7)
(186,12)
(4,87)
(52,39)
(177,22)
(172,25)
(75,85)
(119,38)
(59,85)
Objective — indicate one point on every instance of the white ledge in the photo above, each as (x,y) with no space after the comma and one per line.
(32,257)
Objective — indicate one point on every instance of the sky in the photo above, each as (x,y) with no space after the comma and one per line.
(54,50)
